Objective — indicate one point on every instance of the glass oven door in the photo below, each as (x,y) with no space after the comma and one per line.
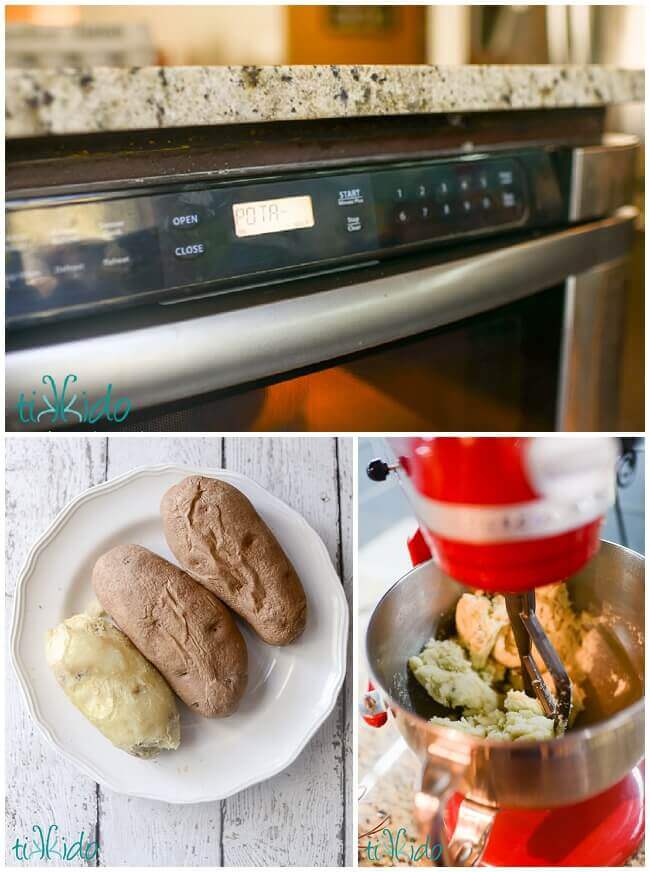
(500,370)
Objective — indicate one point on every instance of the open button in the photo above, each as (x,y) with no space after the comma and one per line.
(183,219)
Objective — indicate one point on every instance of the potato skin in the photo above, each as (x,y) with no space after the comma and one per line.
(189,636)
(219,539)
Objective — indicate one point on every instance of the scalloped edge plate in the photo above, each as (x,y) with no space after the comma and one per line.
(291,691)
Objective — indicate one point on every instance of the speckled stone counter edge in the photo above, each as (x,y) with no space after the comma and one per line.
(42,102)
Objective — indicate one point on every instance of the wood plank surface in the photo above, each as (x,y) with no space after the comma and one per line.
(297,818)
(41,476)
(345,452)
(303,472)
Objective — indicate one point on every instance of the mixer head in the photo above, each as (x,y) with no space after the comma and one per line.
(507,515)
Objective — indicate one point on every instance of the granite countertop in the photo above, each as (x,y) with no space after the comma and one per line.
(388,806)
(40,102)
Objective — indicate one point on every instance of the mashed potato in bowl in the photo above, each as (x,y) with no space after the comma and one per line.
(477,672)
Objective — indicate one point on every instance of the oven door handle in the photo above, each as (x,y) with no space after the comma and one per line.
(170,362)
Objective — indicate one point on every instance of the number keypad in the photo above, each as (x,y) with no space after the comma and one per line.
(446,200)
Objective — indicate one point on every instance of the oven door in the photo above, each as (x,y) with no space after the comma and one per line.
(522,336)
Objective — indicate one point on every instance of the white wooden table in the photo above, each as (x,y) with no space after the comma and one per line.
(302,816)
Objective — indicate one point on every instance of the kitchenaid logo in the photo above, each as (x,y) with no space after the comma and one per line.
(61,404)
(47,844)
(397,847)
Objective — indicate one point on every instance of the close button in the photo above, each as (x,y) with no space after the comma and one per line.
(186,252)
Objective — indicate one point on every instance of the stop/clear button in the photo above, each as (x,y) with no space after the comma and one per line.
(189,251)
(185,219)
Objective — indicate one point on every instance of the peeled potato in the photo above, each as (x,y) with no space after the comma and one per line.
(104,675)
(479,620)
(505,649)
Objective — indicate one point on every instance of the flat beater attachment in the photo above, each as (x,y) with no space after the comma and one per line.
(528,632)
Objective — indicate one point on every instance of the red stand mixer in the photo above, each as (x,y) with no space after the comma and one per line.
(509,515)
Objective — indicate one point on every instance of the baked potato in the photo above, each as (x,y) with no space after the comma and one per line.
(219,539)
(177,624)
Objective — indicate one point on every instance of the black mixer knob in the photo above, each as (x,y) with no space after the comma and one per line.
(378,469)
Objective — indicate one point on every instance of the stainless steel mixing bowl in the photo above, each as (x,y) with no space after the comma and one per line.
(605,744)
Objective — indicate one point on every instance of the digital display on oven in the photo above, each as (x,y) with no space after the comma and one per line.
(272,216)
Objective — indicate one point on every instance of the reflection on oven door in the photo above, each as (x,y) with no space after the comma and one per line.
(500,370)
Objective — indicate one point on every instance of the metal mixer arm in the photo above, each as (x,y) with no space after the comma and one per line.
(528,631)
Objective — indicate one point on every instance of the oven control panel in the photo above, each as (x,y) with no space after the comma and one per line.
(74,254)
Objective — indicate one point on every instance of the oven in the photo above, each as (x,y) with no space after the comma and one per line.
(390,283)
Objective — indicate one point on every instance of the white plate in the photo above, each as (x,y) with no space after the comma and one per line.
(291,690)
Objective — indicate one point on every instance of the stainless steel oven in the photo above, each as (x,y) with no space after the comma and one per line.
(474,288)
